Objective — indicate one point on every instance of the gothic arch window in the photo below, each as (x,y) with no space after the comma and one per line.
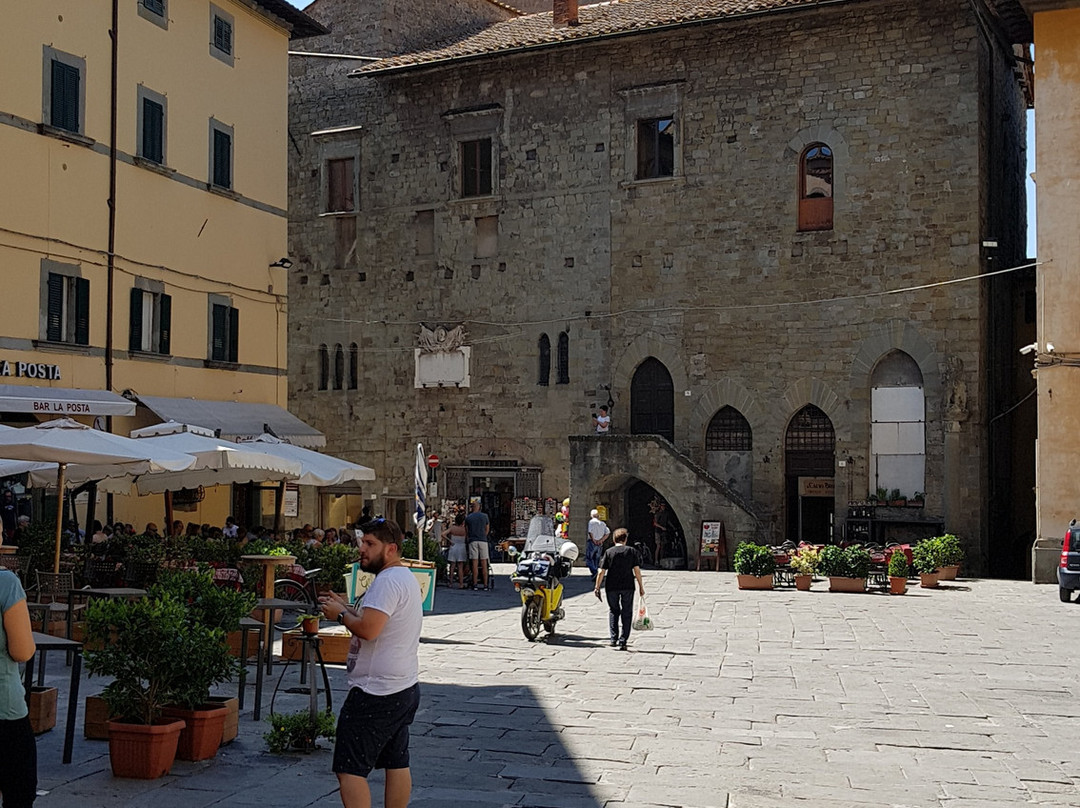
(562,364)
(339,367)
(816,187)
(728,431)
(897,425)
(324,367)
(543,372)
(652,400)
(811,430)
(354,366)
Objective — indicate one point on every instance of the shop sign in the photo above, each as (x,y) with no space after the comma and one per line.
(30,370)
(817,487)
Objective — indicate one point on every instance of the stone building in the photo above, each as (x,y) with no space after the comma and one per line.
(754,229)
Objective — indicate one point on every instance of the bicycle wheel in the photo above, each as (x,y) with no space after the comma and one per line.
(289,617)
(530,619)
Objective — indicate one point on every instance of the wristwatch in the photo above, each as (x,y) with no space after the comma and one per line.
(341,617)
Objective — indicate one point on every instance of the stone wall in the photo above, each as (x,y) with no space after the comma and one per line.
(705,271)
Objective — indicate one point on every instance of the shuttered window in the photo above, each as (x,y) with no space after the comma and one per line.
(476,167)
(562,360)
(222,34)
(65,96)
(67,318)
(543,373)
(153,131)
(222,159)
(150,322)
(226,333)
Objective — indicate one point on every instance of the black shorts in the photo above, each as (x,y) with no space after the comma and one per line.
(373,731)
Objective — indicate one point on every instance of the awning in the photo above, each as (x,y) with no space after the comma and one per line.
(62,401)
(234,420)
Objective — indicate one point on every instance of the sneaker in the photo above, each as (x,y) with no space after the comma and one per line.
(622,646)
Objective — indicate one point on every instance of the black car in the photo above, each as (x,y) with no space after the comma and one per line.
(1069,567)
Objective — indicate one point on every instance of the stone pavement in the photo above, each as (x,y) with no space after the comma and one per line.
(964,697)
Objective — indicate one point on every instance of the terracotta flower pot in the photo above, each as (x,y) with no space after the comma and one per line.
(948,573)
(928,580)
(232,716)
(310,625)
(202,733)
(897,584)
(143,751)
(802,582)
(847,584)
(755,581)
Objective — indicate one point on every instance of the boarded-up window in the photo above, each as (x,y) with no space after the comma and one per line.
(487,236)
(424,228)
(341,185)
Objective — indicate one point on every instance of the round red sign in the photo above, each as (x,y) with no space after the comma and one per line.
(433,461)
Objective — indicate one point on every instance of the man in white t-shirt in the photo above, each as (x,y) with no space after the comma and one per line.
(383,671)
(594,548)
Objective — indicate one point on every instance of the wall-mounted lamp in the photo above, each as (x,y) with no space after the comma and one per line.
(284,263)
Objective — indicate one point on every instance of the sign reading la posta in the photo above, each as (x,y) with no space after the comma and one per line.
(30,370)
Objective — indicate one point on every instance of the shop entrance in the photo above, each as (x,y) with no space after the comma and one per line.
(641,501)
(496,494)
(809,449)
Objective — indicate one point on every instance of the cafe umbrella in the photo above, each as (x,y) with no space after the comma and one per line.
(65,441)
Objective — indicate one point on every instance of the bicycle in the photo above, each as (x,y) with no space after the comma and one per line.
(298,587)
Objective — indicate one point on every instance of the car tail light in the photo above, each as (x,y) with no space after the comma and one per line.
(1067,546)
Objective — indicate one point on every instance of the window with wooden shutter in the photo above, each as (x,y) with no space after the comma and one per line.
(223,34)
(339,367)
(219,338)
(234,334)
(153,131)
(543,374)
(135,321)
(82,311)
(354,362)
(341,183)
(65,96)
(150,322)
(165,324)
(54,316)
(222,159)
(324,367)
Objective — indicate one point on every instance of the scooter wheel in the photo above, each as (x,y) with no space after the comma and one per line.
(530,619)
(549,626)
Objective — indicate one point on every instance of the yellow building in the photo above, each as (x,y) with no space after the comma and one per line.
(1057,143)
(143,224)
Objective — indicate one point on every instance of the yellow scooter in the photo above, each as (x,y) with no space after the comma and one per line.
(537,578)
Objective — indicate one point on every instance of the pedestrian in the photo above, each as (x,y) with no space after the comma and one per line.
(477,526)
(9,509)
(594,547)
(602,422)
(383,672)
(459,552)
(18,763)
(229,531)
(619,568)
(661,530)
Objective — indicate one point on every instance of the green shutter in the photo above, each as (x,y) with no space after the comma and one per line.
(65,96)
(153,131)
(82,311)
(222,159)
(165,317)
(135,322)
(217,338)
(234,334)
(54,315)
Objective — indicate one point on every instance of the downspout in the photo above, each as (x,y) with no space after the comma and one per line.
(111,261)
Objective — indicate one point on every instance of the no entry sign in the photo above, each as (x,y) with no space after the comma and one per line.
(433,461)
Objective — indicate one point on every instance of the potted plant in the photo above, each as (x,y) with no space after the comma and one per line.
(309,624)
(846,568)
(804,564)
(896,499)
(926,558)
(881,496)
(918,499)
(143,647)
(898,572)
(298,730)
(754,566)
(952,554)
(210,612)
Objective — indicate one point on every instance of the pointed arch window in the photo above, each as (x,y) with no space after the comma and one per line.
(562,364)
(354,366)
(816,187)
(324,367)
(339,367)
(728,431)
(543,349)
(897,425)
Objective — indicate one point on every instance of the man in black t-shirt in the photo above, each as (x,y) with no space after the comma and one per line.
(618,570)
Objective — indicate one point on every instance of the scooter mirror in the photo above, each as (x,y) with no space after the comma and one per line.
(512,551)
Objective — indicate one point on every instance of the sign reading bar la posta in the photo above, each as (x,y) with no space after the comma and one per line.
(30,370)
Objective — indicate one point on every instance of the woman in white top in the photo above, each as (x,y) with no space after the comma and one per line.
(459,552)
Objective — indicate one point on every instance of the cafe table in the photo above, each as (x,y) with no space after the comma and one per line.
(269,563)
(45,643)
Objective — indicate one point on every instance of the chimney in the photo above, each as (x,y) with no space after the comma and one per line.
(565,12)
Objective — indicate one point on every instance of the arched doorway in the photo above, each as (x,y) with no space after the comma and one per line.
(652,400)
(639,520)
(809,468)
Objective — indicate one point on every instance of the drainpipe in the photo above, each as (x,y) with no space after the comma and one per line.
(111,261)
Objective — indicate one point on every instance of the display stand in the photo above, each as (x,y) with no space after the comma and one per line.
(712,545)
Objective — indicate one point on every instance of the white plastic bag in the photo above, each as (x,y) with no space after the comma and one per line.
(642,622)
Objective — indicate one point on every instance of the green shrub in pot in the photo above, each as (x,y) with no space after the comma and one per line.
(753,559)
(898,565)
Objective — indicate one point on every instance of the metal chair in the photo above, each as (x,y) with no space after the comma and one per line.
(140,574)
(53,596)
(100,573)
(13,563)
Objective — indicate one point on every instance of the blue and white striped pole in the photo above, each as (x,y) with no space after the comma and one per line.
(420,517)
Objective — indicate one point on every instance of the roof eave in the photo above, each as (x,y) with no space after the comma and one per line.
(297,23)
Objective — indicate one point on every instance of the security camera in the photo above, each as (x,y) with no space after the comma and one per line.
(1029,348)
(1049,347)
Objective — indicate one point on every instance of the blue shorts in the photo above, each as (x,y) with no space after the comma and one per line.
(373,731)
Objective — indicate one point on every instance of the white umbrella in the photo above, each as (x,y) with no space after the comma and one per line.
(316,468)
(217,461)
(64,441)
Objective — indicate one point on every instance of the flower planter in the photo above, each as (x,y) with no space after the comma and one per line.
(928,580)
(310,626)
(42,709)
(897,585)
(232,716)
(755,581)
(335,644)
(202,732)
(802,582)
(847,584)
(143,751)
(96,719)
(948,573)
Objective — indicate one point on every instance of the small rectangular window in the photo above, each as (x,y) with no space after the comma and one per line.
(226,332)
(150,323)
(222,34)
(67,318)
(340,185)
(656,148)
(65,96)
(153,131)
(476,167)
(221,158)
(154,6)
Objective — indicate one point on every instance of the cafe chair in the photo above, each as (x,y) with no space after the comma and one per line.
(51,598)
(13,563)
(140,574)
(100,573)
